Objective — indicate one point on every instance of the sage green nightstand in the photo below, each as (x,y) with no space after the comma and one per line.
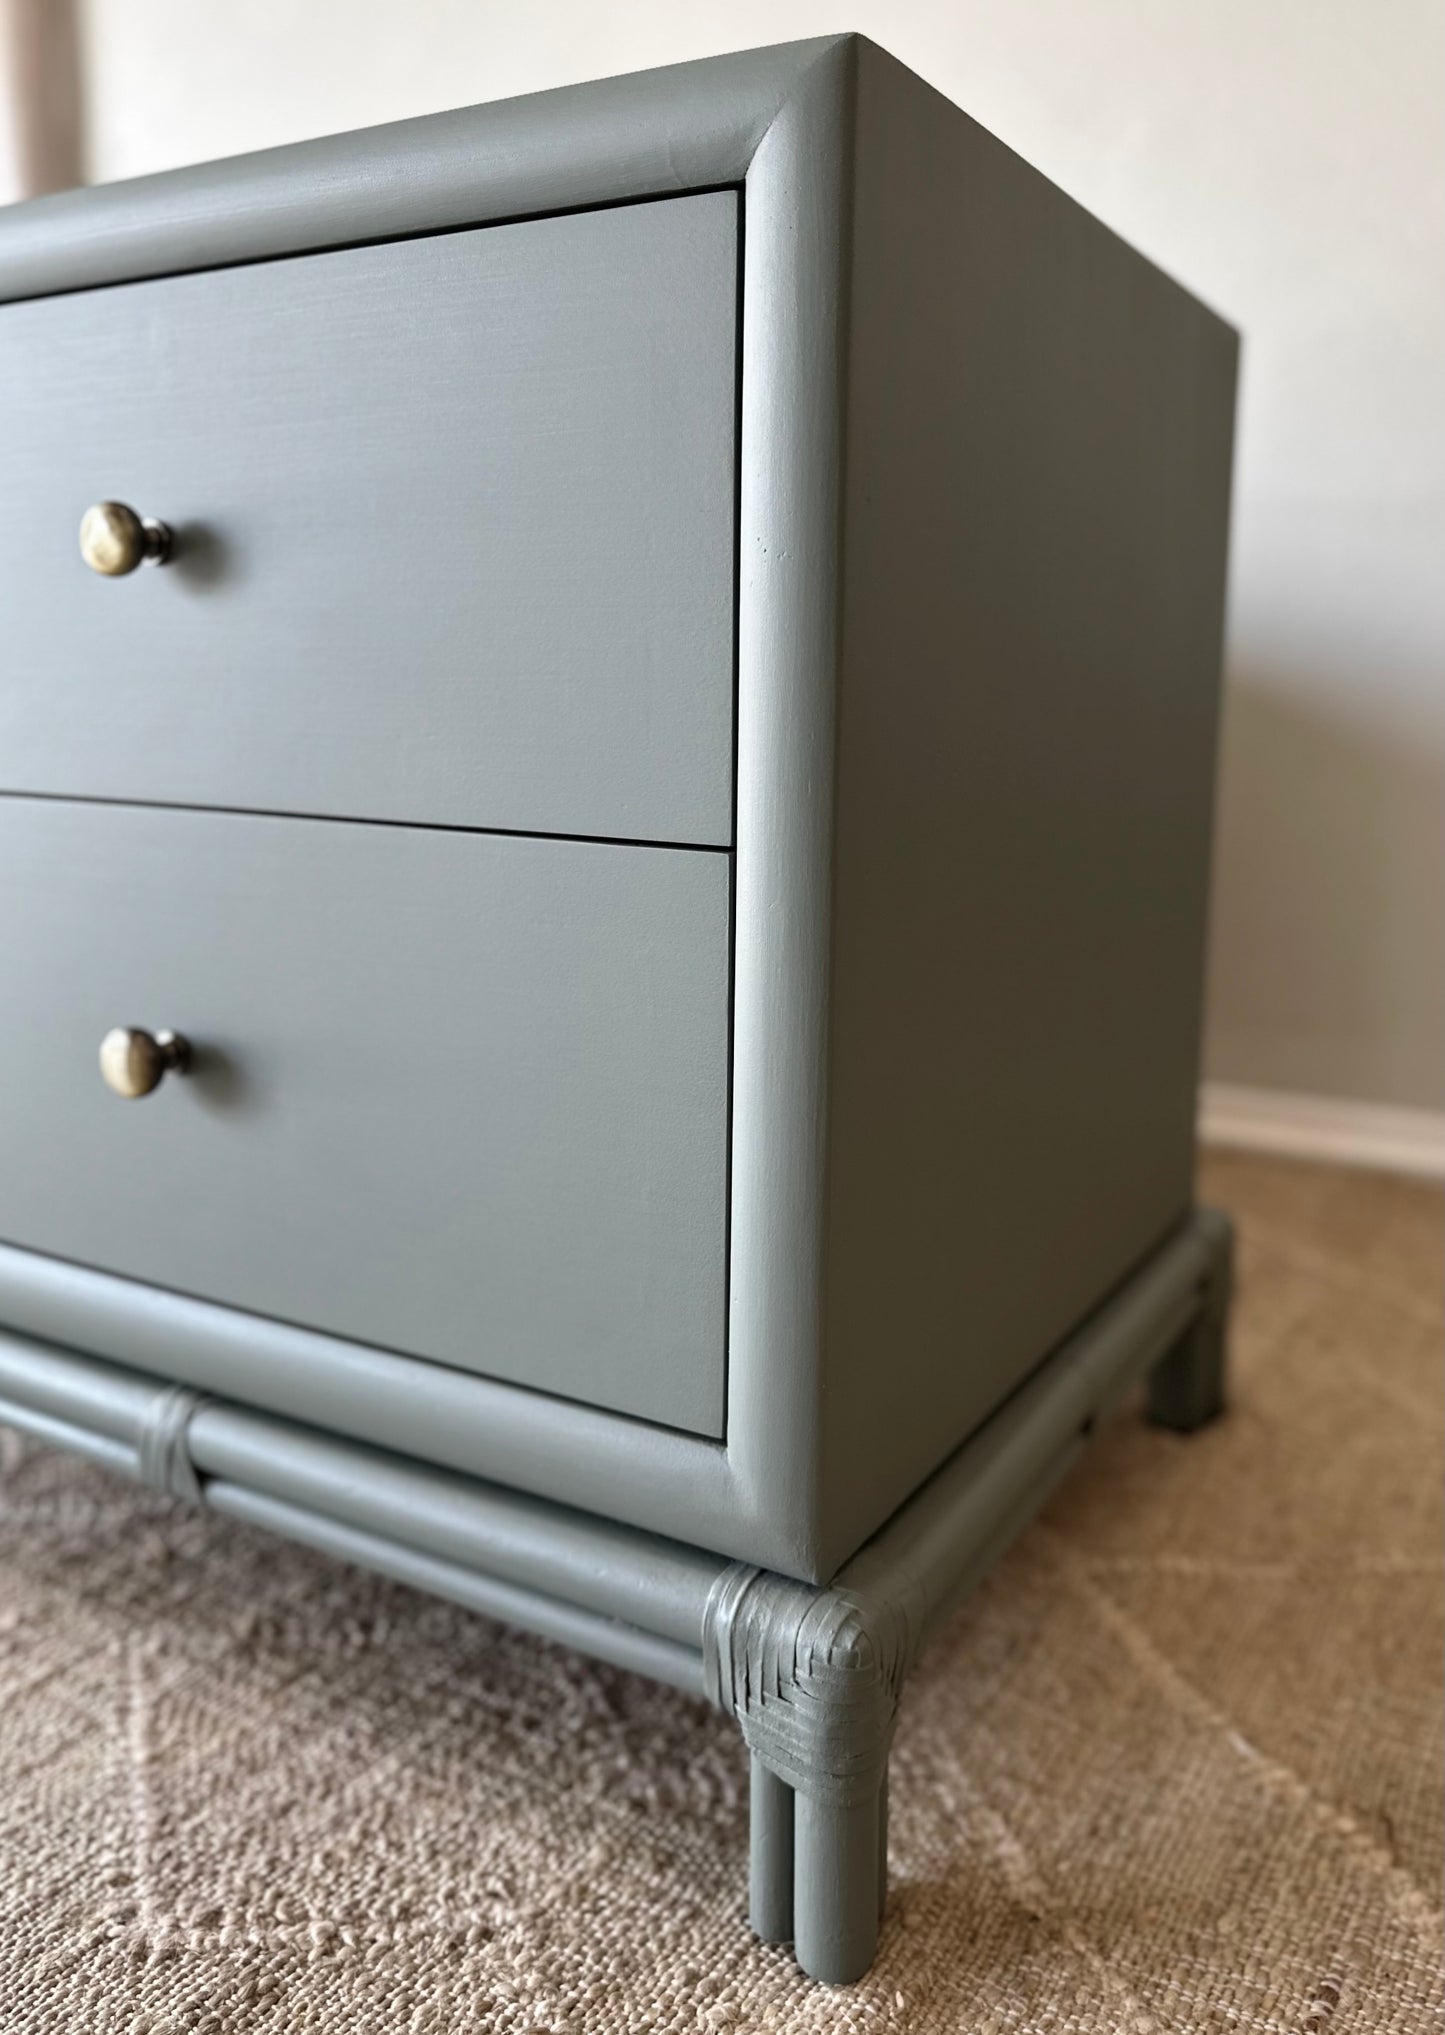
(609,707)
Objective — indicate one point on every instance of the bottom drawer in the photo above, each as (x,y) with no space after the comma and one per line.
(463,1096)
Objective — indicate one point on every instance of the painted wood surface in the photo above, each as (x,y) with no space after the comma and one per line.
(683,127)
(780,121)
(945,955)
(1032,586)
(459,1096)
(453,531)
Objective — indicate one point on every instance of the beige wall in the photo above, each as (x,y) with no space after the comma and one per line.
(1281,157)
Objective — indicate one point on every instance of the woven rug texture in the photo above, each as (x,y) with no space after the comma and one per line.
(1177,1765)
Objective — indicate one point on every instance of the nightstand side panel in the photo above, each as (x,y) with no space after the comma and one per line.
(1039,429)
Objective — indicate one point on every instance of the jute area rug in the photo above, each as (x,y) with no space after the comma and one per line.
(1176,1766)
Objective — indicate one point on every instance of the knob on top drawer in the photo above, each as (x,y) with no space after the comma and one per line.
(114,540)
(453,531)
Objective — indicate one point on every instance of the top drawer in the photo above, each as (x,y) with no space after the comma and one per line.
(453,531)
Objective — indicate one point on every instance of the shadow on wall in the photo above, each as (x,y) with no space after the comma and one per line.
(42,120)
(1327,878)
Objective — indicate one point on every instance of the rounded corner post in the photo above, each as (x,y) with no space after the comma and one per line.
(794,315)
(1188,1385)
(813,1677)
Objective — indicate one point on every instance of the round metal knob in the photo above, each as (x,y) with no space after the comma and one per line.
(114,540)
(133,1062)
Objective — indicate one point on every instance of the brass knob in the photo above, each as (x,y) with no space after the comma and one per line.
(133,1062)
(114,540)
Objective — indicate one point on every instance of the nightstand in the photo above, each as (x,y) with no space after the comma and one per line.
(606,833)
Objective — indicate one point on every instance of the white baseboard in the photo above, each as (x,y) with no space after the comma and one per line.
(1291,1126)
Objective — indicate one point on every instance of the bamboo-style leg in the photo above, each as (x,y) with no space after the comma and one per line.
(835,1888)
(1186,1386)
(770,1856)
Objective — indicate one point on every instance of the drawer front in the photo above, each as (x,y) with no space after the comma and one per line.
(455,1095)
(453,531)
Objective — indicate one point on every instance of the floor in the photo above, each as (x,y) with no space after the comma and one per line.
(1178,1765)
